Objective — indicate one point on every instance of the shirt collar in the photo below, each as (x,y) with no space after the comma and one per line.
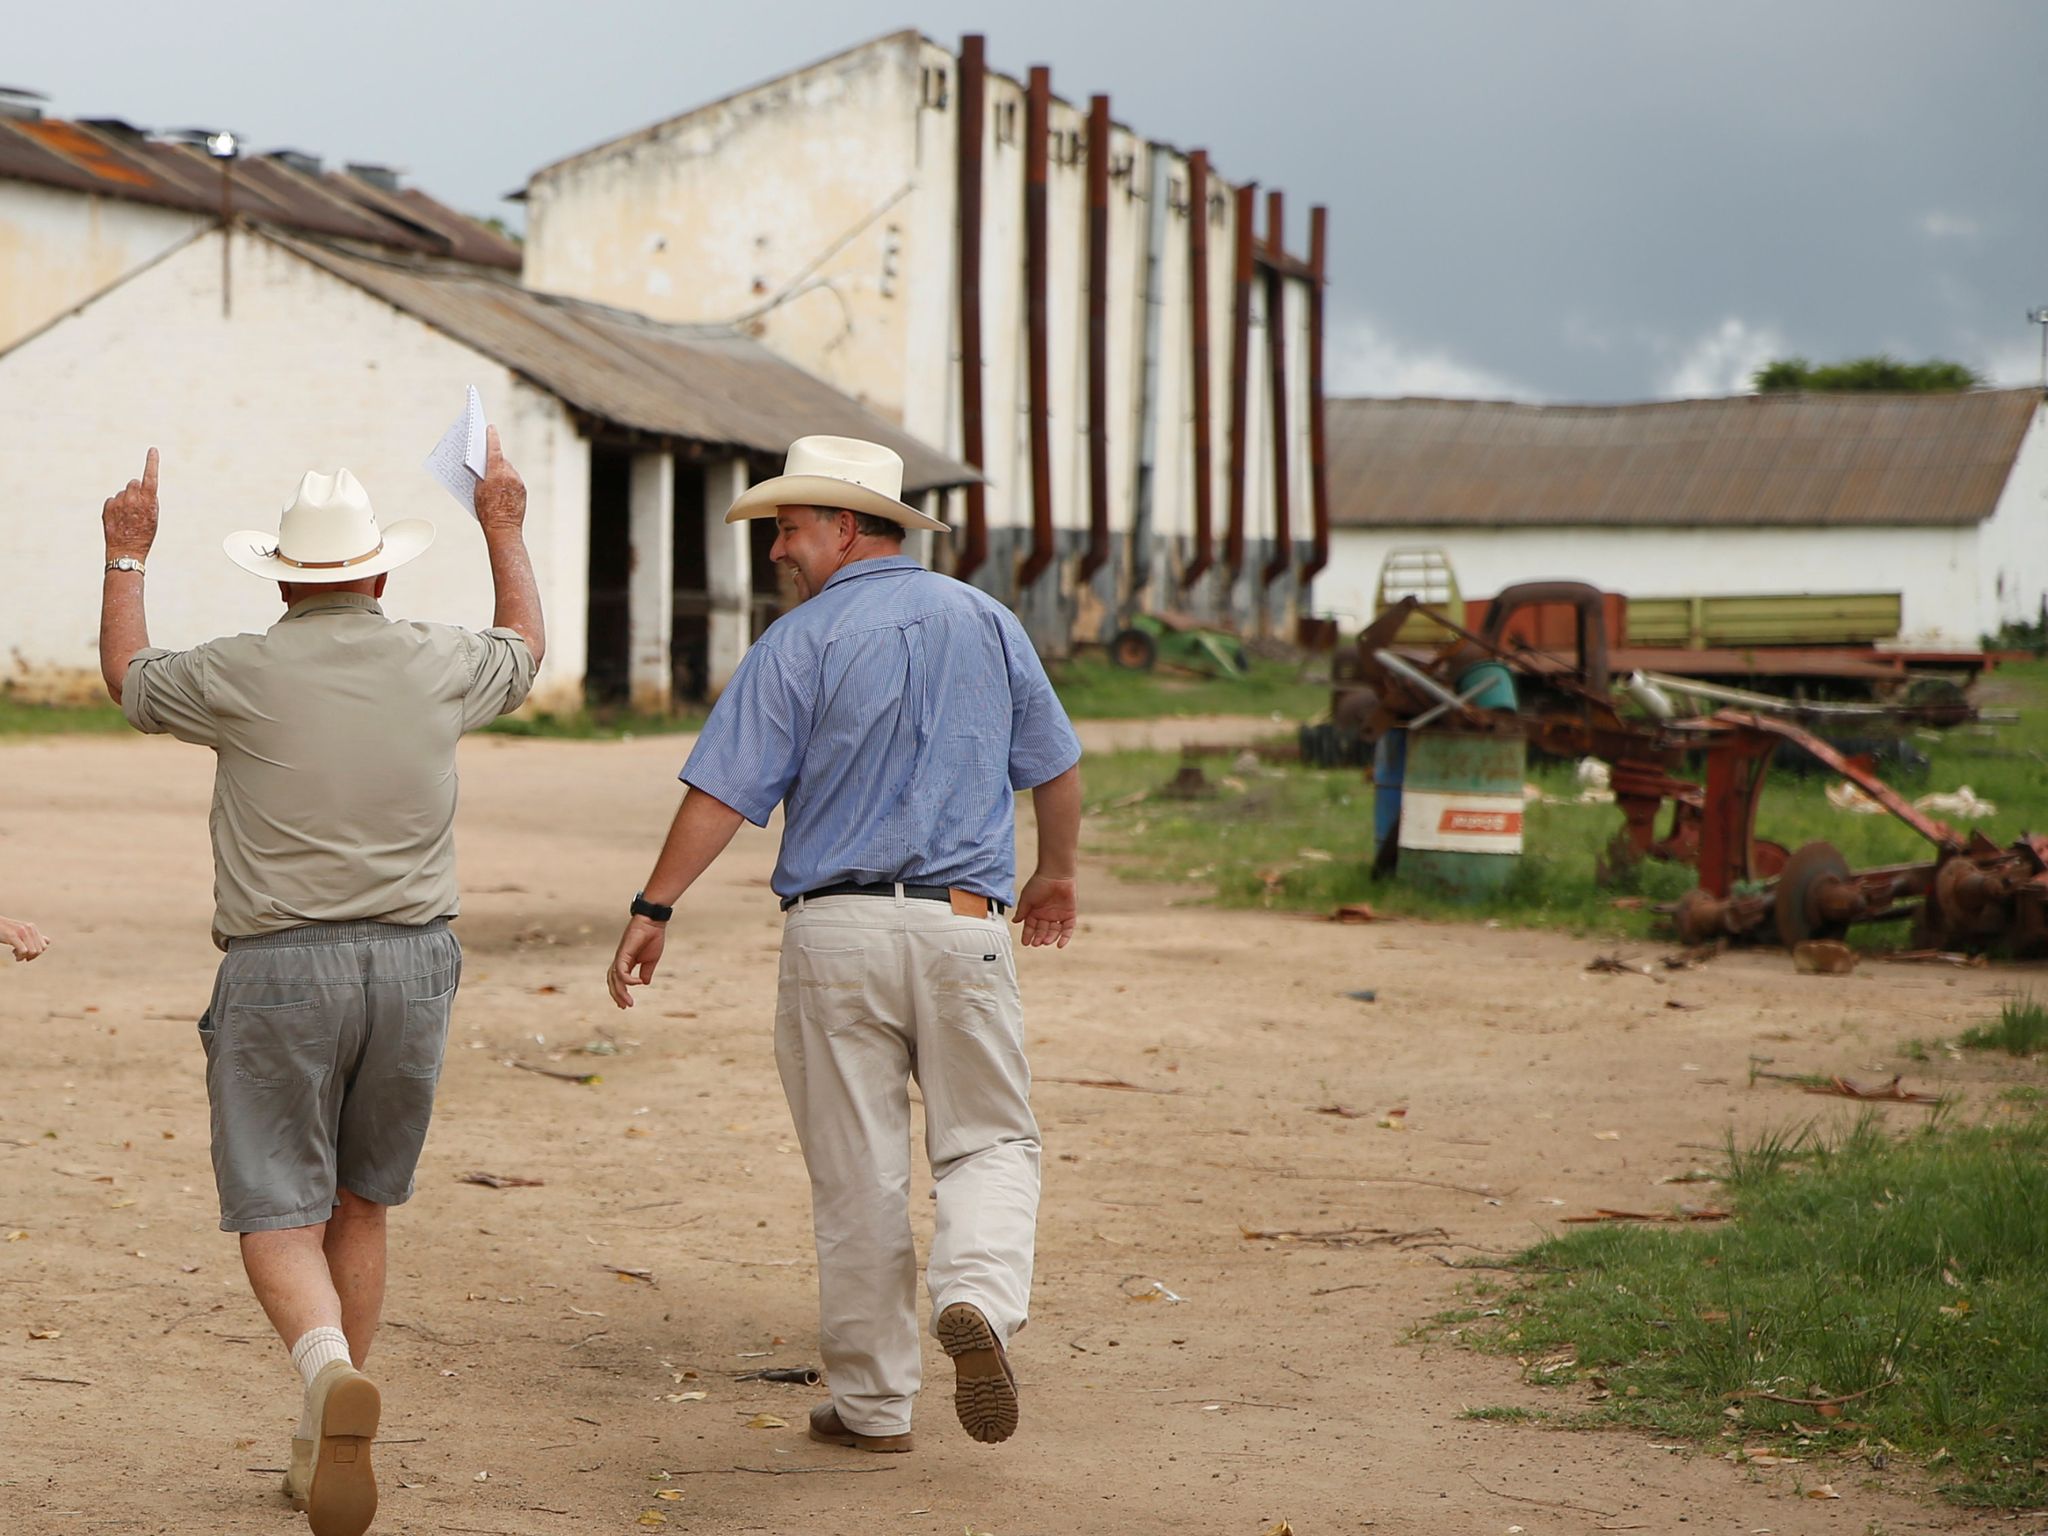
(332,602)
(876,566)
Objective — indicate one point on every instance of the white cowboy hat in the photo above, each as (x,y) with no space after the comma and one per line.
(328,533)
(840,472)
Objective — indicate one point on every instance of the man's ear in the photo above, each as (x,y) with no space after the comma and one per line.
(378,590)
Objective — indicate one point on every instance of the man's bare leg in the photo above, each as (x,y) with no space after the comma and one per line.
(288,1272)
(354,1247)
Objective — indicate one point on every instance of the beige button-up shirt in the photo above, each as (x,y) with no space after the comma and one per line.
(334,733)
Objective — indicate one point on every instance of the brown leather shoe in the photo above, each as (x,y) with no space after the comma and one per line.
(985,1389)
(827,1430)
(341,1496)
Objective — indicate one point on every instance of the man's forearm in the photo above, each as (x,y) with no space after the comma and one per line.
(124,627)
(517,593)
(1057,806)
(704,824)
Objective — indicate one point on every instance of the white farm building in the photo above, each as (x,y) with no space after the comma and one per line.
(1899,521)
(633,438)
(1086,316)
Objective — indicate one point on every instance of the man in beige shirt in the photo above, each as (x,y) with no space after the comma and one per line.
(334,735)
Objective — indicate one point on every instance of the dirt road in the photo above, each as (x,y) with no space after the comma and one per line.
(533,1391)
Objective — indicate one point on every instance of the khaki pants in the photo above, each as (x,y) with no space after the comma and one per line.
(873,992)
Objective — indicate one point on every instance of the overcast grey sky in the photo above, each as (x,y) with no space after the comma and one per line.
(1583,200)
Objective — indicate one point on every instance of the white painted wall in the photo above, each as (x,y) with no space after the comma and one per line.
(839,180)
(59,248)
(799,187)
(310,373)
(2014,575)
(1937,571)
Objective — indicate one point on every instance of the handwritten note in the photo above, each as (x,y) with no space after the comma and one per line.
(457,461)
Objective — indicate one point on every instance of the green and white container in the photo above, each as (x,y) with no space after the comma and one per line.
(1461,810)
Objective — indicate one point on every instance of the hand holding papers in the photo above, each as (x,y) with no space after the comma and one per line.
(457,461)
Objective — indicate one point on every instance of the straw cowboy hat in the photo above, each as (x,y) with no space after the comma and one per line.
(328,533)
(839,472)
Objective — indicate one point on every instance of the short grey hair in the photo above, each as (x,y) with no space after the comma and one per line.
(866,523)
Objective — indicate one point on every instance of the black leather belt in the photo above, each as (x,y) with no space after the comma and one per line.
(914,892)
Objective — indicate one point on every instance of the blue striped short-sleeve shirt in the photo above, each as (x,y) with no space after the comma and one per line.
(893,716)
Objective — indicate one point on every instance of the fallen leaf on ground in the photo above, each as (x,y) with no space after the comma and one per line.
(644,1276)
(46,1333)
(1354,912)
(652,1517)
(1342,1112)
(671,1494)
(1278,1528)
(498,1180)
(767,1421)
(1607,1135)
(1822,1491)
(684,1397)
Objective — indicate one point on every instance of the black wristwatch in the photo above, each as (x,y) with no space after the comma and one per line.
(642,907)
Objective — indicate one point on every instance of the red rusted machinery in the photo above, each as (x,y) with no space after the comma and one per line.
(1972,895)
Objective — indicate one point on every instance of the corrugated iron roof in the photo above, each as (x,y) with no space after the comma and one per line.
(706,384)
(1776,460)
(109,159)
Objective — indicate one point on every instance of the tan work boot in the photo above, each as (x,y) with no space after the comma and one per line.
(985,1389)
(827,1429)
(341,1494)
(298,1477)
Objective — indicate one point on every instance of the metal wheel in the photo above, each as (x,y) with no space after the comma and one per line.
(1805,873)
(1134,650)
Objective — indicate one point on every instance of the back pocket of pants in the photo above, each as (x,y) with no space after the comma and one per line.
(273,1044)
(426,1034)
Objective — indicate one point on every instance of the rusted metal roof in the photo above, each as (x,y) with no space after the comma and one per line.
(109,159)
(1777,460)
(703,384)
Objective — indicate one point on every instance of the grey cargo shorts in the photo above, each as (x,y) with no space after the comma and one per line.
(323,1048)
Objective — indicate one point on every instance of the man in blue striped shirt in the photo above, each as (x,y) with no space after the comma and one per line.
(892,714)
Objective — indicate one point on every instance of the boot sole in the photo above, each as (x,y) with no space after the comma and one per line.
(984,1391)
(342,1500)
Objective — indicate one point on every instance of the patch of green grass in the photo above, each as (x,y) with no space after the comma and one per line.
(1501,1413)
(18,718)
(1296,838)
(1895,1289)
(1093,688)
(2021,1030)
(598,724)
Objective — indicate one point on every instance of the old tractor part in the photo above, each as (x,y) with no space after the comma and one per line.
(1816,897)
(1700,918)
(1179,642)
(1986,896)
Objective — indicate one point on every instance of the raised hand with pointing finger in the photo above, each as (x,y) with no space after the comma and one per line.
(129,517)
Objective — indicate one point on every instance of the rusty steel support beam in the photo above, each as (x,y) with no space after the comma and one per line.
(1240,378)
(972,115)
(1318,462)
(1097,554)
(1037,129)
(1282,558)
(1198,317)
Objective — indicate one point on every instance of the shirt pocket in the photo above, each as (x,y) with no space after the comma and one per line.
(277,1045)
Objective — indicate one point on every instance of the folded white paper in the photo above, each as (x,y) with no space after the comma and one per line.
(457,461)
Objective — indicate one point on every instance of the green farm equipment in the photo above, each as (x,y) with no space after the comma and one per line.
(1150,639)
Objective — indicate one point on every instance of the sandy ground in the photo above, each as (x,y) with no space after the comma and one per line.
(528,1388)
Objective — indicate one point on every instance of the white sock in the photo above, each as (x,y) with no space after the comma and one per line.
(316,1349)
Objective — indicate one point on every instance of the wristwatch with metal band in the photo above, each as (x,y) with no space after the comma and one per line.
(126,563)
(653,910)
